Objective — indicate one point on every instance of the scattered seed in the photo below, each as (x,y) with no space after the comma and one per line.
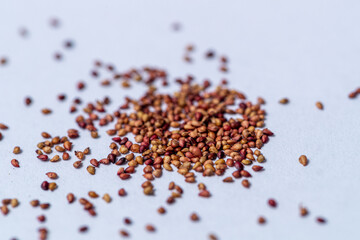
(70,197)
(161,210)
(107,198)
(319,105)
(303,211)
(150,228)
(83,229)
(245,183)
(194,217)
(122,192)
(303,160)
(284,101)
(321,220)
(261,220)
(272,203)
(15,163)
(91,170)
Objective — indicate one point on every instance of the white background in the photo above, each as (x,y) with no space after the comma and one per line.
(305,50)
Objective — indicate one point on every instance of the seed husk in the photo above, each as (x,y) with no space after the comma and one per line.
(303,160)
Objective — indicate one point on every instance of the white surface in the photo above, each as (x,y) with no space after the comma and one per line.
(305,50)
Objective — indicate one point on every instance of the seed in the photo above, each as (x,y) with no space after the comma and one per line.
(56,158)
(83,229)
(284,101)
(4,209)
(212,237)
(148,190)
(93,194)
(201,186)
(272,203)
(45,206)
(65,156)
(14,202)
(124,233)
(3,126)
(15,163)
(52,175)
(245,183)
(150,228)
(41,218)
(70,197)
(204,193)
(261,220)
(124,176)
(228,179)
(320,220)
(303,211)
(45,135)
(45,185)
(46,111)
(257,168)
(303,160)
(122,192)
(79,155)
(91,170)
(319,105)
(171,186)
(16,150)
(28,101)
(86,151)
(77,164)
(34,203)
(106,198)
(67,145)
(194,217)
(52,186)
(43,157)
(245,173)
(161,210)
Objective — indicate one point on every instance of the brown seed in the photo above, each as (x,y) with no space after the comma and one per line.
(93,194)
(43,157)
(52,175)
(261,220)
(3,126)
(45,206)
(77,164)
(45,135)
(106,198)
(14,202)
(124,233)
(70,197)
(52,186)
(46,111)
(148,190)
(65,156)
(91,169)
(284,101)
(194,217)
(122,192)
(303,160)
(228,179)
(319,105)
(303,211)
(272,203)
(34,203)
(201,186)
(124,176)
(204,193)
(16,150)
(171,186)
(4,209)
(15,163)
(67,145)
(6,201)
(150,228)
(161,210)
(41,218)
(245,183)
(257,168)
(212,237)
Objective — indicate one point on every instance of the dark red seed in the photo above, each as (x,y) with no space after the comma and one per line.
(272,202)
(45,185)
(43,157)
(320,220)
(83,229)
(127,221)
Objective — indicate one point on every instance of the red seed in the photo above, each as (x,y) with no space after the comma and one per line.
(45,185)
(150,228)
(257,168)
(261,220)
(320,220)
(41,218)
(83,229)
(43,157)
(204,193)
(122,192)
(15,163)
(272,203)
